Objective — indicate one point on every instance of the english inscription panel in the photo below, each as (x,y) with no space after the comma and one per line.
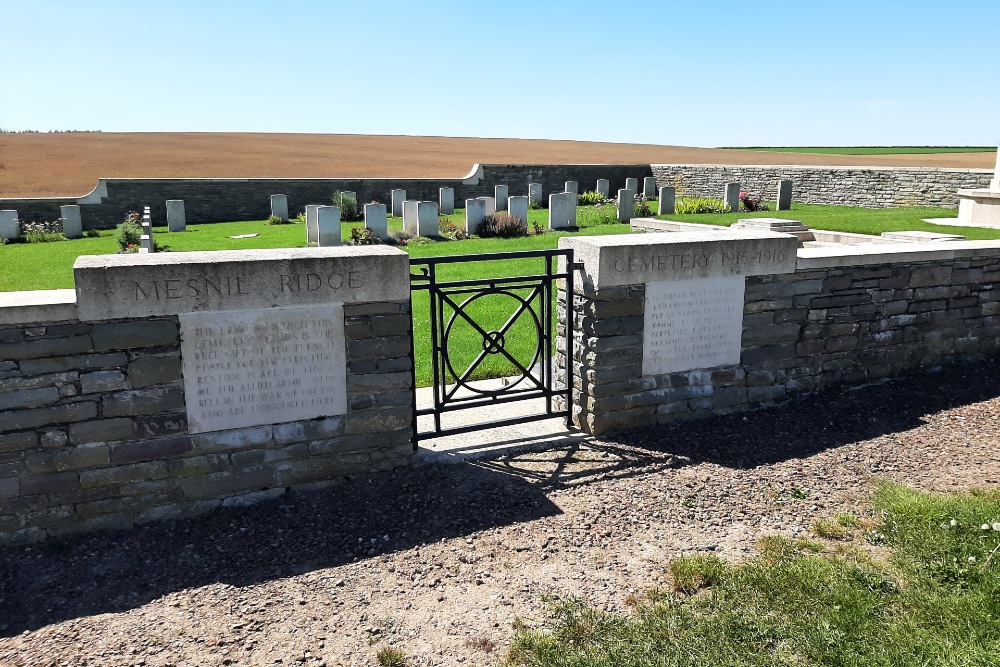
(265,366)
(692,324)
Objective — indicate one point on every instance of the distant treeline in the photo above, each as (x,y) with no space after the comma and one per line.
(4,130)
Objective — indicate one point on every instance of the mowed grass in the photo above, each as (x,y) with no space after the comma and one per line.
(849,219)
(871,150)
(917,584)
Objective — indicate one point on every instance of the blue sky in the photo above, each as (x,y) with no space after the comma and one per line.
(707,73)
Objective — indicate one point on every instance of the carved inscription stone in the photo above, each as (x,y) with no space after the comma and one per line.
(267,366)
(692,324)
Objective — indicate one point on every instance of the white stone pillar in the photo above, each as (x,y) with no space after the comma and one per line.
(9,226)
(667,199)
(500,194)
(475,211)
(312,227)
(398,197)
(518,207)
(572,186)
(604,187)
(279,206)
(377,220)
(72,223)
(176,222)
(626,205)
(731,198)
(784,196)
(328,226)
(446,200)
(649,187)
(535,192)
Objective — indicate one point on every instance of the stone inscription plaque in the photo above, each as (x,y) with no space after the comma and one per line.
(692,324)
(267,366)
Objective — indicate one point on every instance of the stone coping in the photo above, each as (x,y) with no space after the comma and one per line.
(979,193)
(816,167)
(891,253)
(52,305)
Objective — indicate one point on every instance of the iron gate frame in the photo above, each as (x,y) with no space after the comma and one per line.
(542,286)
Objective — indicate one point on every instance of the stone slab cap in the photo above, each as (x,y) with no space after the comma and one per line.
(37,306)
(129,286)
(921,236)
(893,253)
(613,261)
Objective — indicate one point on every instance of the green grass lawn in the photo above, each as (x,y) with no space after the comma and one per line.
(869,150)
(850,219)
(916,585)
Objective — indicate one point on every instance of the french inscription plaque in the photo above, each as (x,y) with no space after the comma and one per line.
(692,324)
(265,366)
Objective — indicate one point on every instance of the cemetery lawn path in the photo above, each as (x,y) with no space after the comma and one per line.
(442,562)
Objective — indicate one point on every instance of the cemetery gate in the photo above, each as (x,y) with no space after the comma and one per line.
(491,339)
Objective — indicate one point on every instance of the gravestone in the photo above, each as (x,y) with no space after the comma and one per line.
(490,203)
(562,210)
(784,196)
(626,205)
(9,226)
(535,192)
(377,220)
(327,226)
(176,222)
(312,227)
(518,207)
(666,202)
(649,187)
(279,206)
(500,194)
(604,187)
(632,184)
(411,224)
(72,223)
(731,197)
(446,200)
(475,211)
(572,186)
(396,203)
(420,218)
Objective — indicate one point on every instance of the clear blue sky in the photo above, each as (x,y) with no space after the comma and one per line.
(704,73)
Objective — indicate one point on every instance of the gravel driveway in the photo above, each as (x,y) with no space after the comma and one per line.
(439,561)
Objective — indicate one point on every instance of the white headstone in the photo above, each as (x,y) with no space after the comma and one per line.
(535,192)
(500,194)
(490,203)
(731,198)
(427,219)
(518,207)
(475,211)
(9,227)
(72,223)
(632,184)
(396,204)
(666,202)
(328,226)
(649,187)
(376,220)
(176,222)
(312,226)
(572,186)
(604,187)
(626,205)
(446,200)
(784,196)
(561,210)
(279,206)
(411,221)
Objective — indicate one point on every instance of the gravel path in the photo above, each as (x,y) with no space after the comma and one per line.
(440,561)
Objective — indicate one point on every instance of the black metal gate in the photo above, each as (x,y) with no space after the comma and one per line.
(485,329)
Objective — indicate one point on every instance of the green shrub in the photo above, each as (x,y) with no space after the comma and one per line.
(348,205)
(450,230)
(364,236)
(641,209)
(92,234)
(691,205)
(536,205)
(388,656)
(605,214)
(129,232)
(502,225)
(276,220)
(591,198)
(41,232)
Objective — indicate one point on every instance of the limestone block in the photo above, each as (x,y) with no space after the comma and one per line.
(632,184)
(500,194)
(312,231)
(535,192)
(572,186)
(279,206)
(604,187)
(446,200)
(561,210)
(626,205)
(475,211)
(72,223)
(328,226)
(649,187)
(427,219)
(411,223)
(8,225)
(784,195)
(397,199)
(666,201)
(731,197)
(490,203)
(176,222)
(377,220)
(518,207)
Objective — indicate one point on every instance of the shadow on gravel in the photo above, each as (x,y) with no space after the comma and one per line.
(361,518)
(798,429)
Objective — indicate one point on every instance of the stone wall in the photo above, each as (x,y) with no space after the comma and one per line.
(867,187)
(228,199)
(836,320)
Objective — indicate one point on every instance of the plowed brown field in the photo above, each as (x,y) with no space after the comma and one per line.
(45,165)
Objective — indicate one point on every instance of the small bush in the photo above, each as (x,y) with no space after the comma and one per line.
(830,530)
(364,236)
(605,214)
(388,656)
(641,209)
(450,230)
(400,238)
(276,220)
(348,205)
(502,225)
(129,232)
(590,198)
(537,229)
(536,205)
(301,217)
(92,234)
(697,571)
(751,204)
(694,205)
(40,232)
